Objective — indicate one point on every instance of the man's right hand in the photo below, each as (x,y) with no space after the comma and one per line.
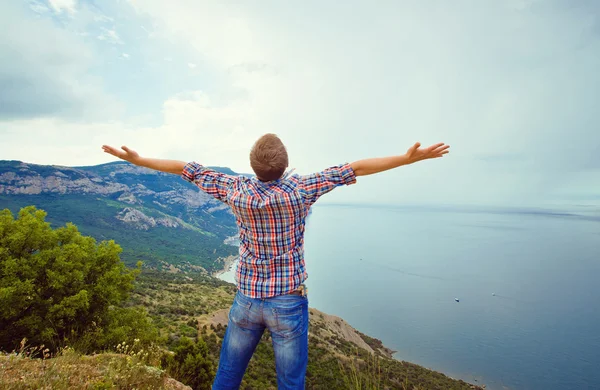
(416,153)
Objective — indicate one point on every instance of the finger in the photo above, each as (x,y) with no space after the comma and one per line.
(111,150)
(435,146)
(416,146)
(125,148)
(439,150)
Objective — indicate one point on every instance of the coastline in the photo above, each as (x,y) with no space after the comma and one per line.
(344,329)
(372,343)
(228,263)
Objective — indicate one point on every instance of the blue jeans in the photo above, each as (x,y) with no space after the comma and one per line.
(286,317)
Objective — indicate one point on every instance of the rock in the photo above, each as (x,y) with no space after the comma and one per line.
(136,218)
(142,221)
(168,222)
(172,384)
(128,197)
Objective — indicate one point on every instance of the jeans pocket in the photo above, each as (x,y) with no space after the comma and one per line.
(240,314)
(242,301)
(290,320)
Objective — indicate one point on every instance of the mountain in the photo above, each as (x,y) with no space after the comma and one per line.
(156,217)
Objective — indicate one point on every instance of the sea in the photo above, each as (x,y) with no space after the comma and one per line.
(506,297)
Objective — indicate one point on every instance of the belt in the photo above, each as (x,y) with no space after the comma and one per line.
(300,291)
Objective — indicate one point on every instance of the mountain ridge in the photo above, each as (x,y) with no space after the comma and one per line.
(157,217)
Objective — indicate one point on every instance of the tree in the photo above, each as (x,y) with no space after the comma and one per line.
(55,283)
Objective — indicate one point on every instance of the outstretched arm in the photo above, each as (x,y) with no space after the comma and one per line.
(414,154)
(168,166)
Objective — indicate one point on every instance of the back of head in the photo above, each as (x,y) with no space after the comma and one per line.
(269,158)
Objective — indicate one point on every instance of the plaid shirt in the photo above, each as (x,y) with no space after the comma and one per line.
(270,217)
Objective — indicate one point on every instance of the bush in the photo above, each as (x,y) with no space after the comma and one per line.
(56,284)
(190,364)
(122,325)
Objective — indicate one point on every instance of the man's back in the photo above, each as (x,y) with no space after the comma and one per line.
(271,217)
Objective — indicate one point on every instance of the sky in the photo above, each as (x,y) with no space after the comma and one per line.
(513,86)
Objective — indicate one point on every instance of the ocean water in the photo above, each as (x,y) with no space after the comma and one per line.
(528,285)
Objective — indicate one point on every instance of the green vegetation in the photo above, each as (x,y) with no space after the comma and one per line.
(375,344)
(190,364)
(94,324)
(58,284)
(95,216)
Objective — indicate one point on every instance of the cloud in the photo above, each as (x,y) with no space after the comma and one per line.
(38,7)
(505,79)
(39,79)
(60,6)
(110,36)
(193,127)
(512,86)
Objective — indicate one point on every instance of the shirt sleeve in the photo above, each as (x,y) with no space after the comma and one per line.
(208,180)
(318,184)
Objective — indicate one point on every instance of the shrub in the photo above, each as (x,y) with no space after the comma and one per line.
(57,284)
(190,364)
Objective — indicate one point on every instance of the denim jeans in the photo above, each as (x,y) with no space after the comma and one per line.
(286,317)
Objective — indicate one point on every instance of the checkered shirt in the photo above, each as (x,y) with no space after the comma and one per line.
(271,217)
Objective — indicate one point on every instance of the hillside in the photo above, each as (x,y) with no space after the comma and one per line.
(195,306)
(339,355)
(156,217)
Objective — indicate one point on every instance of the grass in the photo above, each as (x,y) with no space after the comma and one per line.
(128,368)
(175,303)
(362,375)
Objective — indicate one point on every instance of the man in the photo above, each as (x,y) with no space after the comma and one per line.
(270,211)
